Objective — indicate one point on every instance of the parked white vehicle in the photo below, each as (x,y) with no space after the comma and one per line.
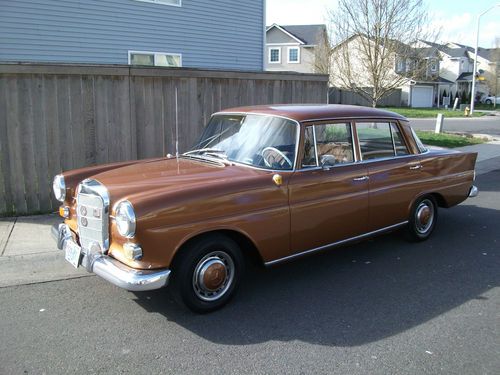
(490,100)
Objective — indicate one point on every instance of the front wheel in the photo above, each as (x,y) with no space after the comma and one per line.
(207,273)
(422,219)
(488,101)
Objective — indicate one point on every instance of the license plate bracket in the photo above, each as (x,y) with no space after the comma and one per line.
(72,253)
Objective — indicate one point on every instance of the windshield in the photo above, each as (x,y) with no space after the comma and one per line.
(257,140)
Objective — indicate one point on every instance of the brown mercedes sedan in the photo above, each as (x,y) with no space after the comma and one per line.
(270,182)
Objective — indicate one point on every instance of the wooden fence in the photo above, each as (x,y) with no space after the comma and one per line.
(58,117)
(344,96)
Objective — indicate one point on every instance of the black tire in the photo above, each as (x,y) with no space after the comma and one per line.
(214,260)
(423,218)
(488,101)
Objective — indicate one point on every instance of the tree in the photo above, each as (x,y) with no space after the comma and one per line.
(492,73)
(377,45)
(323,54)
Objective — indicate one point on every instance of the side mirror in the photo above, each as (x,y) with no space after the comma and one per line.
(327,161)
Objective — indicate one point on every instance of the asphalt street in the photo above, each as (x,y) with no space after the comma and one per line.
(383,306)
(479,125)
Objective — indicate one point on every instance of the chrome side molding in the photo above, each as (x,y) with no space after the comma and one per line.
(335,244)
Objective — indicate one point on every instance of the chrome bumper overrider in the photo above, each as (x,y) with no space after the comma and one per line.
(473,192)
(112,270)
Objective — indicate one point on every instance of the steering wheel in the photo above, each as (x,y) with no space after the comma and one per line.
(272,155)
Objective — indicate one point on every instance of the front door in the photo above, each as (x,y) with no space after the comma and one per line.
(329,192)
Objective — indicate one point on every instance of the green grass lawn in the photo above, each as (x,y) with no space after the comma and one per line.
(447,140)
(428,112)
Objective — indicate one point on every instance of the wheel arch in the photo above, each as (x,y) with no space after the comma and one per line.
(438,197)
(248,248)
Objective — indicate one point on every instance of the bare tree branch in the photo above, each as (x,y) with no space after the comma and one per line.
(371,36)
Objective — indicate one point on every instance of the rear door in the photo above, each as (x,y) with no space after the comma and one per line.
(394,173)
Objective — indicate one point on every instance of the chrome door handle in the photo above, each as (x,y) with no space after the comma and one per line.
(364,178)
(414,167)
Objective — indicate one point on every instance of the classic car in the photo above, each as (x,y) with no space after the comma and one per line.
(271,183)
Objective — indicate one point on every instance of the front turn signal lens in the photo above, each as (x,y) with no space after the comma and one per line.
(64,211)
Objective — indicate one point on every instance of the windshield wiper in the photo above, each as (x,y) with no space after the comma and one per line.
(204,151)
(209,151)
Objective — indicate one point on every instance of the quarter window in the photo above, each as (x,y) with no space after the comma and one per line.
(275,55)
(328,145)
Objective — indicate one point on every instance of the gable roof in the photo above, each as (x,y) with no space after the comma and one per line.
(304,34)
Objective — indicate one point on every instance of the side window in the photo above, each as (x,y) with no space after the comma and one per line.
(333,145)
(399,142)
(375,140)
(309,159)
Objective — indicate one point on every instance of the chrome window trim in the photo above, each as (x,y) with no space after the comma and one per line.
(297,138)
(392,138)
(353,118)
(334,244)
(386,158)
(315,145)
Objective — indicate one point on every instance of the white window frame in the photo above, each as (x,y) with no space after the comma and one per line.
(162,2)
(279,55)
(288,55)
(155,54)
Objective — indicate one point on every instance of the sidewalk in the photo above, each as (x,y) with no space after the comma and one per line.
(28,254)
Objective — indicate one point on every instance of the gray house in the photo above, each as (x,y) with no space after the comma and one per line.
(222,34)
(297,48)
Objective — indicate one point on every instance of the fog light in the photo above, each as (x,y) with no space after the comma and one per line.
(132,251)
(64,211)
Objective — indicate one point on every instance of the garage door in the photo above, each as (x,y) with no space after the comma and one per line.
(422,96)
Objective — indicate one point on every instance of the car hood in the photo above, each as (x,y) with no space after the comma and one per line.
(152,178)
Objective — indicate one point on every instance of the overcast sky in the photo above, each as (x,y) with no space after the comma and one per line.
(456,18)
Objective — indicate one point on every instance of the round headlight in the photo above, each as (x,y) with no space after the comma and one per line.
(125,219)
(59,187)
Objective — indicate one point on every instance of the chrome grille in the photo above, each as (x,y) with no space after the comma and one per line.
(92,212)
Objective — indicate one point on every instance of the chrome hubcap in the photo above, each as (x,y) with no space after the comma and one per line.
(213,276)
(424,216)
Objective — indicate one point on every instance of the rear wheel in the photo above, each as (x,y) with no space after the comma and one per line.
(423,218)
(488,101)
(207,273)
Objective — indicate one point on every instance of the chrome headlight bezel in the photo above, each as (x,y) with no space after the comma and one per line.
(59,188)
(125,219)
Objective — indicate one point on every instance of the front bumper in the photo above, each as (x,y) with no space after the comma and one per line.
(473,192)
(112,270)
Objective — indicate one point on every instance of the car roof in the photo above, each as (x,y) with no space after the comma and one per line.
(317,112)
